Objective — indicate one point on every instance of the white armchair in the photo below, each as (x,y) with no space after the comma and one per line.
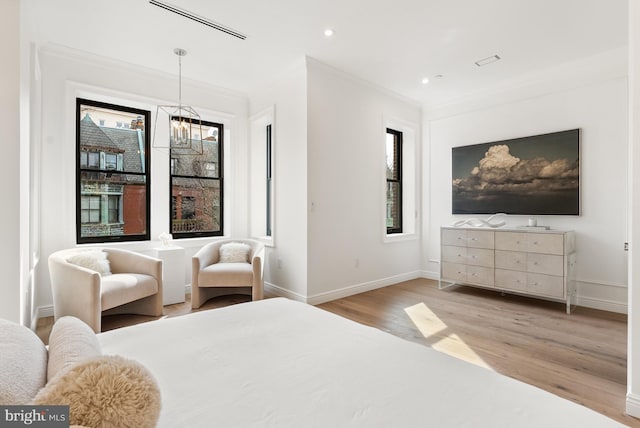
(210,278)
(133,287)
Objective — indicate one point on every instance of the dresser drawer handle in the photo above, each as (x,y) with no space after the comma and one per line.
(535,263)
(535,242)
(534,283)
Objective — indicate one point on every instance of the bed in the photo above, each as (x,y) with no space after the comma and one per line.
(280,363)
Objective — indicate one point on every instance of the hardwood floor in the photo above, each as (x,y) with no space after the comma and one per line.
(581,357)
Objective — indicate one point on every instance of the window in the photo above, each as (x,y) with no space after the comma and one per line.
(269,181)
(112,179)
(197,184)
(90,207)
(262,177)
(113,214)
(89,160)
(394,181)
(110,161)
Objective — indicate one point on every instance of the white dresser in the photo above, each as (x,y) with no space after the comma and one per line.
(532,262)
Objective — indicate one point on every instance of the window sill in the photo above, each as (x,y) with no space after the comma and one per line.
(268,241)
(399,237)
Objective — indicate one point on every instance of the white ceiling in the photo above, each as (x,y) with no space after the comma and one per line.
(393,44)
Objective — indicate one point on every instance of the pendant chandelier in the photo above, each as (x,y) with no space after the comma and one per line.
(185,124)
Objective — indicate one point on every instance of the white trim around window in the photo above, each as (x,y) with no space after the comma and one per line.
(409,179)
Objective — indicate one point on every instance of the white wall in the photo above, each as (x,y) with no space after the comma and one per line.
(69,74)
(633,346)
(347,252)
(286,266)
(580,95)
(10,215)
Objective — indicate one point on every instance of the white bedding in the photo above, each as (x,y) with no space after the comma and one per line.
(279,363)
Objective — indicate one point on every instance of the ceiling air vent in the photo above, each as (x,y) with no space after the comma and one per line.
(202,20)
(487,60)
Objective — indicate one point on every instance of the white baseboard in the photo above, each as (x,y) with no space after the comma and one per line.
(606,296)
(360,288)
(603,305)
(633,405)
(430,275)
(283,292)
(44,312)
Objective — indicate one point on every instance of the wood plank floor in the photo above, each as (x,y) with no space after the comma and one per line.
(581,357)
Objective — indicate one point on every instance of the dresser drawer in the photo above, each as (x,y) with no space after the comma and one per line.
(454,254)
(480,257)
(545,263)
(545,285)
(480,239)
(454,272)
(511,280)
(480,275)
(512,260)
(455,237)
(511,241)
(546,243)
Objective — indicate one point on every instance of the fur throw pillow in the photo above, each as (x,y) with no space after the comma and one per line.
(92,259)
(234,252)
(106,391)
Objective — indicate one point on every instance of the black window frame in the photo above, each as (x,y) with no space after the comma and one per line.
(398,150)
(176,161)
(147,174)
(269,177)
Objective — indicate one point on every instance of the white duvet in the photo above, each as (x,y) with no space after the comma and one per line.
(280,363)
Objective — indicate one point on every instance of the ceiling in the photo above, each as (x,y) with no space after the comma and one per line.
(393,44)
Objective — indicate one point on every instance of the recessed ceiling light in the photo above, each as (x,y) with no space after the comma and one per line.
(488,60)
(425,80)
(328,32)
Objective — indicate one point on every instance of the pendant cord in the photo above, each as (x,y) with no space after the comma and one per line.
(180,82)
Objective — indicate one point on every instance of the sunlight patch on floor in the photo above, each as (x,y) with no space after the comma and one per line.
(442,340)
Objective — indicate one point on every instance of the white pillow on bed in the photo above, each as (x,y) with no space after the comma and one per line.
(23,364)
(70,342)
(92,259)
(234,252)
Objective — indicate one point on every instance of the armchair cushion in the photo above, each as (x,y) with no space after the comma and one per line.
(120,288)
(226,274)
(92,259)
(234,252)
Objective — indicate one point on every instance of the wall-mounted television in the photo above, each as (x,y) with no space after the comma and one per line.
(536,175)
